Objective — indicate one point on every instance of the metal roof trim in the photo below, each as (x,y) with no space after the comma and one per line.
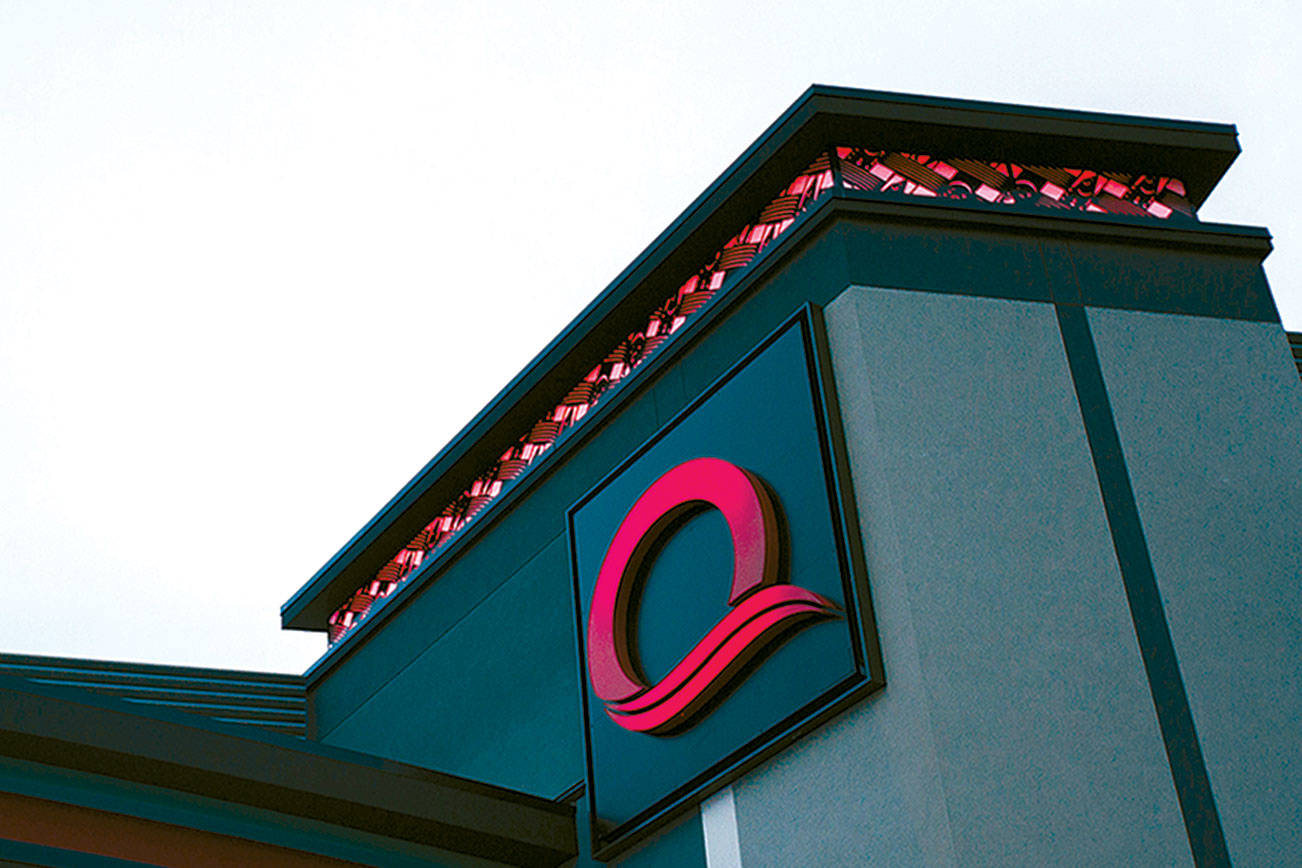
(1198,152)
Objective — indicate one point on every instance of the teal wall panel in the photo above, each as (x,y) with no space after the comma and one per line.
(428,616)
(1209,413)
(523,544)
(495,698)
(943,259)
(1177,280)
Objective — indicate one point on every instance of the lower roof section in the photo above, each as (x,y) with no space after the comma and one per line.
(269,700)
(36,831)
(50,733)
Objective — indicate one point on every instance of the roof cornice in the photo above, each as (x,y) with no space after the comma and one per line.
(1196,152)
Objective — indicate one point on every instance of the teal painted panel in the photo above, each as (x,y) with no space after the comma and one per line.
(1016,726)
(999,265)
(1209,412)
(504,548)
(1060,271)
(1174,281)
(427,616)
(668,394)
(496,697)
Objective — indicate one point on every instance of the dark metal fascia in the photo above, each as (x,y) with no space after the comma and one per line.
(1197,152)
(65,729)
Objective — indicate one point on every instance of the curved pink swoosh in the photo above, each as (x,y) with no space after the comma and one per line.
(745,631)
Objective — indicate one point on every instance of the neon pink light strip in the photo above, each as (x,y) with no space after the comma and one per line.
(882,172)
(719,657)
(1013,184)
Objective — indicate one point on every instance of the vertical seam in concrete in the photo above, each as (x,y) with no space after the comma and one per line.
(719,826)
(1184,754)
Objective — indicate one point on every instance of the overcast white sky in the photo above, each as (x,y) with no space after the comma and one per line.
(260,261)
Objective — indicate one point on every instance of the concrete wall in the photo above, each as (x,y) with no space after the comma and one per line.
(1210,417)
(1016,727)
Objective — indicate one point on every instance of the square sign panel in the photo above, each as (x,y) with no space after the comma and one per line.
(721,595)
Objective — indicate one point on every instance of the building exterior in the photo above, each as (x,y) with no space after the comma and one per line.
(926,494)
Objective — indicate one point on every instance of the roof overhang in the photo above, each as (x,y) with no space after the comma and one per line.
(69,729)
(1198,153)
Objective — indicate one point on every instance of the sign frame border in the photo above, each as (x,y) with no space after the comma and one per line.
(607,842)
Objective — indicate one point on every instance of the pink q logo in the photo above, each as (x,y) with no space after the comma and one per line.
(762,608)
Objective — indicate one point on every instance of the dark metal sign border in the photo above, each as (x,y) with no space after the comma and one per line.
(868,677)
